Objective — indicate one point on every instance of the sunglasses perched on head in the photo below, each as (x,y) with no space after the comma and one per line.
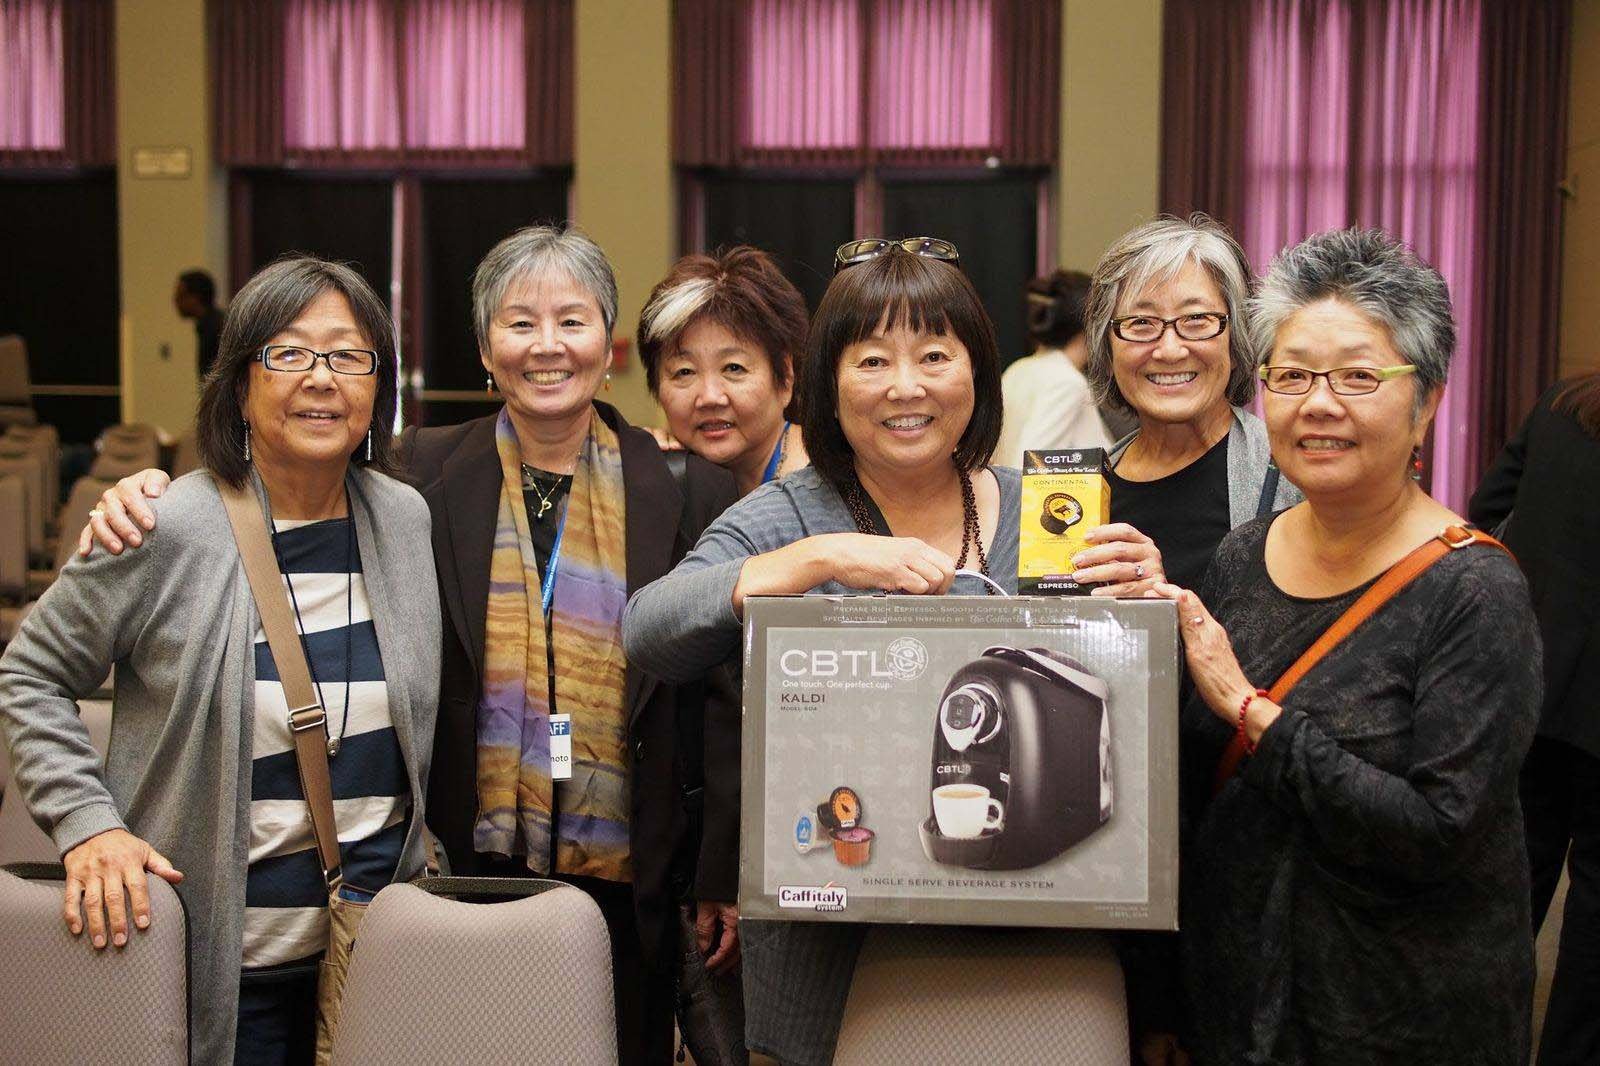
(852,252)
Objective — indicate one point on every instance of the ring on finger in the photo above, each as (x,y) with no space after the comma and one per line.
(1198,620)
(98,512)
(1138,570)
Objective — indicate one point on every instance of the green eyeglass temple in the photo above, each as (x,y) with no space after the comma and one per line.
(1336,380)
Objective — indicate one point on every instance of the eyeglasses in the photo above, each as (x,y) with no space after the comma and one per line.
(292,359)
(1142,329)
(1344,380)
(852,252)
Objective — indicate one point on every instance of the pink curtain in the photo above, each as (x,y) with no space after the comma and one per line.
(465,76)
(933,74)
(32,77)
(340,78)
(1368,114)
(805,75)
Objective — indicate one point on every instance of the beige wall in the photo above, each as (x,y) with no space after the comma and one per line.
(167,224)
(622,175)
(1108,178)
(1580,266)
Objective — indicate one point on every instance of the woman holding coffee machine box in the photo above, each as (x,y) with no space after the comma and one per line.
(900,408)
(1357,889)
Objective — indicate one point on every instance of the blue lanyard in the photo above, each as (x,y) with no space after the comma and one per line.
(548,591)
(777,456)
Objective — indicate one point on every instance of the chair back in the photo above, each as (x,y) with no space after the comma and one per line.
(444,980)
(25,465)
(963,994)
(14,383)
(47,454)
(13,536)
(63,1004)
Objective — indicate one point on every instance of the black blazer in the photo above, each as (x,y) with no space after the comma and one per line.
(457,470)
(1548,480)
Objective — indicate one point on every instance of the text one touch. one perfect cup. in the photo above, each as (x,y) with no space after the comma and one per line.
(965,811)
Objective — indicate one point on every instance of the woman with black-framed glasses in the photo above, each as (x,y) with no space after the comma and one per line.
(201,775)
(1355,883)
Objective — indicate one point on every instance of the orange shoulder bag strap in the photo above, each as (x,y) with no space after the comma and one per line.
(1396,578)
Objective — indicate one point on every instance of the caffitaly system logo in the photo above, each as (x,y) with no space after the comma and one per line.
(828,897)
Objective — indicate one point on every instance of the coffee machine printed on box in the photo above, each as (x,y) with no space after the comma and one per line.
(1021,761)
(1064,495)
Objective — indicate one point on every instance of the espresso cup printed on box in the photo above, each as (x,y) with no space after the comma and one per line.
(965,811)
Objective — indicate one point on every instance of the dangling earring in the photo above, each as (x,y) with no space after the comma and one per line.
(1416,463)
(488,384)
(608,381)
(369,444)
(247,442)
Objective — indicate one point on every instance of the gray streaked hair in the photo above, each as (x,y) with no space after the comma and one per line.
(1378,276)
(540,251)
(1155,253)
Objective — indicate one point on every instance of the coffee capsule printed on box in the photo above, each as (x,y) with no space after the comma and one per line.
(807,838)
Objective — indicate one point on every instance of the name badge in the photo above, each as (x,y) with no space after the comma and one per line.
(561,747)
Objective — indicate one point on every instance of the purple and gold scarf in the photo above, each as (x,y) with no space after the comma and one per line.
(589,831)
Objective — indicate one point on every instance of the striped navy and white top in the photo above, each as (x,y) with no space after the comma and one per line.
(286,913)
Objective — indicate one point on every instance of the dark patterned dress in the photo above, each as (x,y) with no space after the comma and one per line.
(1358,893)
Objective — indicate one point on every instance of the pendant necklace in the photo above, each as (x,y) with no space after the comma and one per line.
(334,742)
(546,499)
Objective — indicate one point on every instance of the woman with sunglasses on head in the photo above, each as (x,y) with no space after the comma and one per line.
(202,772)
(1357,887)
(719,339)
(900,408)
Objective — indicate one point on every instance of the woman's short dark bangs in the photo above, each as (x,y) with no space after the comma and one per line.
(897,290)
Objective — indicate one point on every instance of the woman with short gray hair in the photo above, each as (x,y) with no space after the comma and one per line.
(1356,883)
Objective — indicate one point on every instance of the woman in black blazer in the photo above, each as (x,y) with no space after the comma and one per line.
(1547,481)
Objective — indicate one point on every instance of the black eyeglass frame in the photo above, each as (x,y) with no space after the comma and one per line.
(1380,374)
(1222,318)
(863,249)
(264,357)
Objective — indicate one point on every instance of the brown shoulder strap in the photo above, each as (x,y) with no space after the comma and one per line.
(306,716)
(1396,578)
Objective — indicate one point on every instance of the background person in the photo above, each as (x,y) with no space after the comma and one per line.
(1539,483)
(719,339)
(299,408)
(1359,889)
(900,409)
(1048,402)
(196,298)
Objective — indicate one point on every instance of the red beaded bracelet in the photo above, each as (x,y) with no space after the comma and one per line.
(1244,706)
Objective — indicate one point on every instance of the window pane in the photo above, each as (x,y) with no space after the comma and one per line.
(32,104)
(349,220)
(933,74)
(461,220)
(994,224)
(63,295)
(799,222)
(465,70)
(804,74)
(340,88)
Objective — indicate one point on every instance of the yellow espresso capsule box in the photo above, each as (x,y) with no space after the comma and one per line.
(1064,495)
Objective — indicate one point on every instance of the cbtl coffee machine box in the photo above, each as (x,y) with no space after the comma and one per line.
(961,760)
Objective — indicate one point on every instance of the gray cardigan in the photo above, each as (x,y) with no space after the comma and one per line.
(177,619)
(681,625)
(1249,455)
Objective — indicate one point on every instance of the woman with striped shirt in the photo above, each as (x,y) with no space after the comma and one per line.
(200,775)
